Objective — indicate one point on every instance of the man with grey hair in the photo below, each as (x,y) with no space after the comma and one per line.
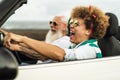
(58,29)
(57,35)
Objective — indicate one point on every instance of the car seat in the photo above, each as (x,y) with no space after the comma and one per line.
(118,34)
(109,45)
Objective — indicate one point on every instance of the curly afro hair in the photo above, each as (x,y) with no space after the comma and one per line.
(93,18)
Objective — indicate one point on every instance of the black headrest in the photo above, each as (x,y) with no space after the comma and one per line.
(118,34)
(113,27)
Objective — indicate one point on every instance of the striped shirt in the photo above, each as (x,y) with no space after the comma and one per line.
(85,50)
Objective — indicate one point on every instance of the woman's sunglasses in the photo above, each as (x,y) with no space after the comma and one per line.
(54,23)
(74,22)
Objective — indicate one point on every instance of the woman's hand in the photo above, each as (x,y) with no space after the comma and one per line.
(3,31)
(12,38)
(15,47)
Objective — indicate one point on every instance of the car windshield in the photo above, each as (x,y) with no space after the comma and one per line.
(38,13)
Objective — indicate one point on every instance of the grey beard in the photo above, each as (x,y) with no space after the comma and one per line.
(50,37)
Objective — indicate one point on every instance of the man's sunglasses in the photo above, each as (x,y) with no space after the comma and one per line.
(54,23)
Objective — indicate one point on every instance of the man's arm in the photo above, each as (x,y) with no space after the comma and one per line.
(48,50)
(27,51)
(32,54)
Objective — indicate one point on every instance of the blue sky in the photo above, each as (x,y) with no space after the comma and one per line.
(44,10)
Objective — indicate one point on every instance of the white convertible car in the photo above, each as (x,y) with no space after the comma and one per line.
(106,68)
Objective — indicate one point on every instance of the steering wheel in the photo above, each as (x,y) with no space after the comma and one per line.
(15,53)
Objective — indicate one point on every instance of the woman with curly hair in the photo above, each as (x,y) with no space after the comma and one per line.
(87,25)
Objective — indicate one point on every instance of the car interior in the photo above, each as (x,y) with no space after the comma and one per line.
(10,60)
(109,44)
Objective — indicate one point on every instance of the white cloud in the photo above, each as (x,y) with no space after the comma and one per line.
(44,9)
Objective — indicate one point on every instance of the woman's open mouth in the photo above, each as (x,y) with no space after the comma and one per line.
(72,33)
